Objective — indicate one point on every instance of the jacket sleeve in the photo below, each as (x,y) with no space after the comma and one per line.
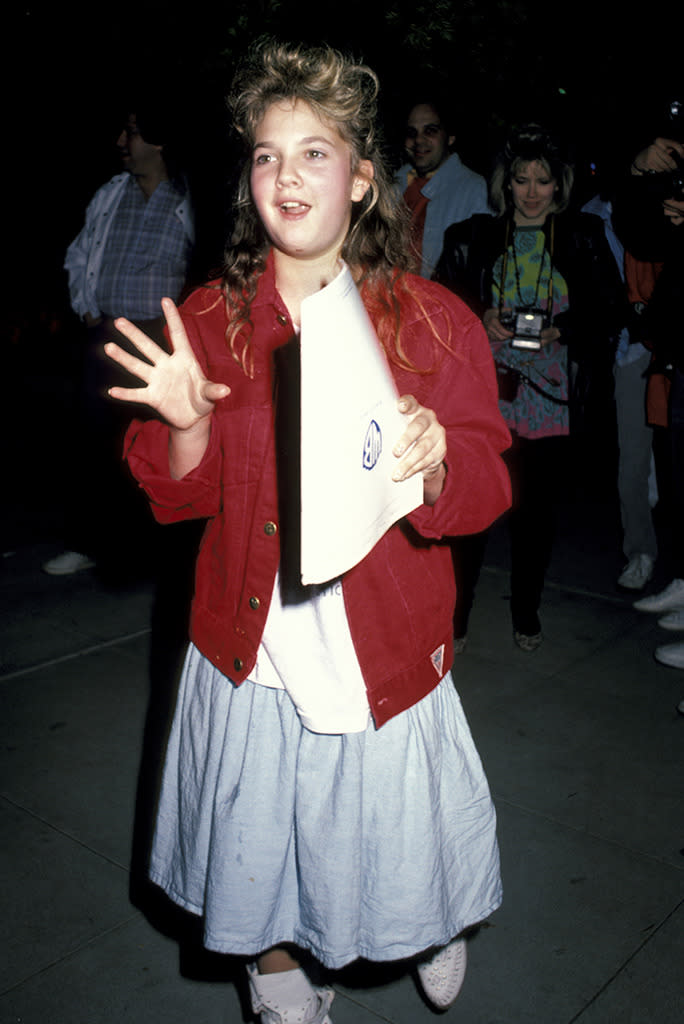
(463,393)
(75,264)
(462,268)
(196,496)
(84,254)
(598,308)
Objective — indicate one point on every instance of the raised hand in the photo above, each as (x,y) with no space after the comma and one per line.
(175,385)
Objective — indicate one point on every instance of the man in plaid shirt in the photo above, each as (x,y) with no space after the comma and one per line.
(134,248)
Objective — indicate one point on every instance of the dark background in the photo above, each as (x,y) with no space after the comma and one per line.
(592,69)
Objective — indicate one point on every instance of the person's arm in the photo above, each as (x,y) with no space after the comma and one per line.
(175,387)
(75,264)
(461,266)
(642,216)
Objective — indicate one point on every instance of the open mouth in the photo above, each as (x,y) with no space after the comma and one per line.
(292,207)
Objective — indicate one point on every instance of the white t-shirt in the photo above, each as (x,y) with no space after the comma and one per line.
(307,650)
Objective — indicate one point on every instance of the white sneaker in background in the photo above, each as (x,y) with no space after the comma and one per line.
(636,573)
(673,620)
(68,563)
(668,600)
(670,654)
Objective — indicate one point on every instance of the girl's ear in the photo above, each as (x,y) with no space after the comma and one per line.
(363,175)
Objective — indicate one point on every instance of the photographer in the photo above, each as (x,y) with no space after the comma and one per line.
(545,283)
(650,221)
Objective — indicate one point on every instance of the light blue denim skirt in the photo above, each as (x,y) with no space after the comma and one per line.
(378,844)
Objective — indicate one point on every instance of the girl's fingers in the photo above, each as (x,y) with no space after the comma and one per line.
(174,322)
(424,457)
(422,446)
(420,421)
(129,394)
(149,348)
(138,367)
(215,392)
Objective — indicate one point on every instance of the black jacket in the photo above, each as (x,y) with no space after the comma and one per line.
(597,306)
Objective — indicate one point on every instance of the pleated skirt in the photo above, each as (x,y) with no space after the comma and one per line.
(377,845)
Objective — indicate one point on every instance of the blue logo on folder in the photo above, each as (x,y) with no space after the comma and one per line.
(372,445)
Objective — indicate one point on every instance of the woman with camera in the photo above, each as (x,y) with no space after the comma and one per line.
(544,281)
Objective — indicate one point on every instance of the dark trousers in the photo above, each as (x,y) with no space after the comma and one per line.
(677,463)
(108,515)
(537,469)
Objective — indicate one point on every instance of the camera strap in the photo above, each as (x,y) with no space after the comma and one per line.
(537,387)
(504,267)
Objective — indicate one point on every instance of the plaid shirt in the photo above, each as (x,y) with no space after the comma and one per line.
(146,254)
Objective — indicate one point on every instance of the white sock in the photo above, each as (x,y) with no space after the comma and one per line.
(286,990)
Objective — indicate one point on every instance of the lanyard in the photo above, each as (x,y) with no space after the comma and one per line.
(504,267)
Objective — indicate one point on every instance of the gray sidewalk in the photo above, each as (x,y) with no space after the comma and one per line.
(581,742)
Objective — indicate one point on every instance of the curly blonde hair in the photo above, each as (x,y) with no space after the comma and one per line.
(341,93)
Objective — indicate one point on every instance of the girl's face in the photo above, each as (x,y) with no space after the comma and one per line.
(302,182)
(534,193)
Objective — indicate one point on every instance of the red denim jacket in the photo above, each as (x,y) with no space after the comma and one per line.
(399,599)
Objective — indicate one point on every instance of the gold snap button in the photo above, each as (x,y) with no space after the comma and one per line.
(254,603)
(270,528)
(237,664)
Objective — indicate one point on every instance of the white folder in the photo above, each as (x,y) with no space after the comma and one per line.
(349,425)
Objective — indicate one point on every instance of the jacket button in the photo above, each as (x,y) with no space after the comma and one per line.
(254,603)
(270,528)
(237,664)
(282,319)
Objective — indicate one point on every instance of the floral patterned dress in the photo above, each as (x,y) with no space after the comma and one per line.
(532,282)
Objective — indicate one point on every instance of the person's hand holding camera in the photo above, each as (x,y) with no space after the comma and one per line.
(497,332)
(658,158)
(664,160)
(503,327)
(674,209)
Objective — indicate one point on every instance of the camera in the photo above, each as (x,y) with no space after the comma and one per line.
(669,184)
(527,326)
(675,183)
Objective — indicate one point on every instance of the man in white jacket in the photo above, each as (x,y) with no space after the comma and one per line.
(133,250)
(436,185)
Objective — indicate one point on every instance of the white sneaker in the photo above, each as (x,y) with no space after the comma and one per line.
(668,600)
(288,997)
(68,563)
(670,654)
(636,573)
(442,976)
(673,620)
